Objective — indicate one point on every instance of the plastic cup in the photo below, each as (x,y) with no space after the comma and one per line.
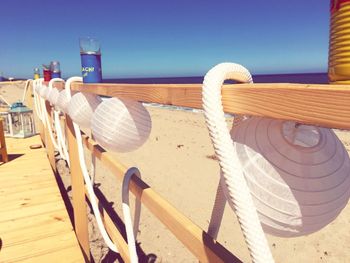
(90,54)
(55,69)
(36,73)
(47,74)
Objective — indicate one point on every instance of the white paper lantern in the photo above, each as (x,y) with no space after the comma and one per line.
(121,125)
(298,175)
(37,87)
(42,91)
(62,101)
(53,96)
(82,106)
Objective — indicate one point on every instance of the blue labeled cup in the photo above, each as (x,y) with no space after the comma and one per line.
(90,53)
(55,69)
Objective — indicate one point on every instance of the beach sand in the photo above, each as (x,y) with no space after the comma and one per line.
(177,162)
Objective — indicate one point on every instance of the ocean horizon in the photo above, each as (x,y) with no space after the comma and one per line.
(307,78)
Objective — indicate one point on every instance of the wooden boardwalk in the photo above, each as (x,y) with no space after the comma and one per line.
(34,223)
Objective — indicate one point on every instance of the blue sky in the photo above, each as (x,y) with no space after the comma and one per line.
(166,38)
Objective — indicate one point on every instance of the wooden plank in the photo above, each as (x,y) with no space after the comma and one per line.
(34,223)
(38,247)
(193,237)
(37,186)
(18,224)
(30,211)
(3,149)
(26,179)
(67,255)
(25,176)
(28,194)
(324,105)
(34,232)
(17,204)
(28,163)
(78,191)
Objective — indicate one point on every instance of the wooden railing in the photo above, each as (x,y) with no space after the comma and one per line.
(3,149)
(324,105)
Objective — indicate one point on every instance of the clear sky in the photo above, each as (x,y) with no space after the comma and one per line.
(150,38)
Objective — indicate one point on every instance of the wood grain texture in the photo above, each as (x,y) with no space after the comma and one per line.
(3,149)
(323,105)
(78,191)
(193,237)
(34,223)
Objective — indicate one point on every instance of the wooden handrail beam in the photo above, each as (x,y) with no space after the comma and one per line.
(323,105)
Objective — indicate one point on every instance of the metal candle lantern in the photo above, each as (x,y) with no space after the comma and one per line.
(21,121)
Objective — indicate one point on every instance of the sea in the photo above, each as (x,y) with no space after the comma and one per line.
(306,78)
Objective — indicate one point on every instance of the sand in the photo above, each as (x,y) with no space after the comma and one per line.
(177,161)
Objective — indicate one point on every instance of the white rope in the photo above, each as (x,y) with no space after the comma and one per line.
(37,102)
(46,116)
(89,185)
(131,232)
(60,137)
(61,142)
(232,180)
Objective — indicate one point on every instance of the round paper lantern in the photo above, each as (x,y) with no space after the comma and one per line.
(53,96)
(42,91)
(82,106)
(121,125)
(62,101)
(298,175)
(37,87)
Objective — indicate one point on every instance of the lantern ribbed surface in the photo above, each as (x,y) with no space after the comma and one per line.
(62,101)
(42,91)
(37,87)
(298,175)
(121,125)
(53,96)
(82,106)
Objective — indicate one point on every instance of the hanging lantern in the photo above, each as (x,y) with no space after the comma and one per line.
(21,121)
(62,101)
(121,125)
(42,91)
(53,96)
(82,106)
(298,175)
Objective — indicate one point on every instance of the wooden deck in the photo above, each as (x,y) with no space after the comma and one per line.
(34,223)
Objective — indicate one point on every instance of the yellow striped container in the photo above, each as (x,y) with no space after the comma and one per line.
(339,43)
(36,73)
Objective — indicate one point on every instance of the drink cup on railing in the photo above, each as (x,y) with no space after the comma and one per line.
(90,54)
(46,72)
(55,69)
(36,73)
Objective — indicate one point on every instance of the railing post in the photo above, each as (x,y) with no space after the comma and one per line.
(49,144)
(78,191)
(3,150)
